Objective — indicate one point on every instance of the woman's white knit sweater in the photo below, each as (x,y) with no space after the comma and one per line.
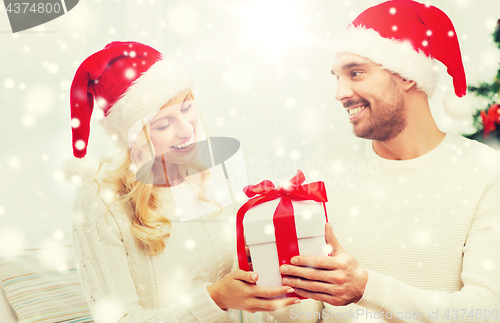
(122,283)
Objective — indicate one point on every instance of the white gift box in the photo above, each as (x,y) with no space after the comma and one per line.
(259,229)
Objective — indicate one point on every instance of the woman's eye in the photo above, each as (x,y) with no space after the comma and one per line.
(186,108)
(163,127)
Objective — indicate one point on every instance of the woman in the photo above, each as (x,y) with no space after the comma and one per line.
(137,260)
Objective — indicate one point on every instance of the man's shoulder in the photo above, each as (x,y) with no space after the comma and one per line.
(472,151)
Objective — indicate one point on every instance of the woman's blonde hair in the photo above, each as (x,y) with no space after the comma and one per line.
(149,227)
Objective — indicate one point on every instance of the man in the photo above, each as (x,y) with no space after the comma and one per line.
(415,211)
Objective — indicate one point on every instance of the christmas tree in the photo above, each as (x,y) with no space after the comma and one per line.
(487,121)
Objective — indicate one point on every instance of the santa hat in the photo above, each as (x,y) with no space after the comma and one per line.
(406,37)
(129,81)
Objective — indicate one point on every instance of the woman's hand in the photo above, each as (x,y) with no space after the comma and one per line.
(237,290)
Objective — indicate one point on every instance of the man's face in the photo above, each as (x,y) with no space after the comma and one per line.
(371,95)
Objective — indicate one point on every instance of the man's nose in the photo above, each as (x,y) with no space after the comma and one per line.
(343,91)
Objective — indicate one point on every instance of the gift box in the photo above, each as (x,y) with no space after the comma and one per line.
(280,223)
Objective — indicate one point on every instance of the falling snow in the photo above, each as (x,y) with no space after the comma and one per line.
(280,151)
(9,83)
(354,211)
(290,102)
(76,180)
(190,244)
(306,215)
(269,229)
(59,176)
(75,123)
(15,239)
(108,311)
(219,121)
(14,162)
(80,144)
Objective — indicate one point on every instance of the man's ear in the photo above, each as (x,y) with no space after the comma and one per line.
(407,84)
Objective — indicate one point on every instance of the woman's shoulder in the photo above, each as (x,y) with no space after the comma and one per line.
(88,191)
(97,199)
(94,191)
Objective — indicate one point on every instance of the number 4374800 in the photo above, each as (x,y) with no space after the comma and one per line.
(34,8)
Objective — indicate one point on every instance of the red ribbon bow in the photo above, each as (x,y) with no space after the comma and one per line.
(490,119)
(284,221)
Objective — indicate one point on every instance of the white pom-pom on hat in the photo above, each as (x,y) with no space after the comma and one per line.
(78,170)
(458,108)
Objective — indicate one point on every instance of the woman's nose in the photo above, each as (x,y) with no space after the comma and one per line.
(185,127)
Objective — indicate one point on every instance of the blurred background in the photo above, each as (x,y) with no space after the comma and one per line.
(262,73)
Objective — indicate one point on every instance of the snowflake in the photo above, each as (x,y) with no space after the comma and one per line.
(190,244)
(59,176)
(14,239)
(75,123)
(306,215)
(28,121)
(354,211)
(280,151)
(13,162)
(219,121)
(130,73)
(76,180)
(294,155)
(108,311)
(9,83)
(80,144)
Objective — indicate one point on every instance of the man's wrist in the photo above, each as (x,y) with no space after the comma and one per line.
(363,281)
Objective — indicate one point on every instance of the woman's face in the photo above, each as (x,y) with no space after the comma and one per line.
(174,130)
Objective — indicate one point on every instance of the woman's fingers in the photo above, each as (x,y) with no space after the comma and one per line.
(268,292)
(249,258)
(274,304)
(248,276)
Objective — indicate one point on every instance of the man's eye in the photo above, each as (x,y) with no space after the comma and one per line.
(355,73)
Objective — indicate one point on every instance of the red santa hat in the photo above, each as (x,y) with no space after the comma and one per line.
(129,81)
(406,37)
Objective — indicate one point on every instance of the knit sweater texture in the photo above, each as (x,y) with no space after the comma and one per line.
(122,283)
(426,229)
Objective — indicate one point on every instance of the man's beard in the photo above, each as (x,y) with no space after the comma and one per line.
(388,118)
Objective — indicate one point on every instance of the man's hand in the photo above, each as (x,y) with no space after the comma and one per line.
(337,279)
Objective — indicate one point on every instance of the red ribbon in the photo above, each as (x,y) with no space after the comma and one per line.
(284,221)
(489,125)
(490,119)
